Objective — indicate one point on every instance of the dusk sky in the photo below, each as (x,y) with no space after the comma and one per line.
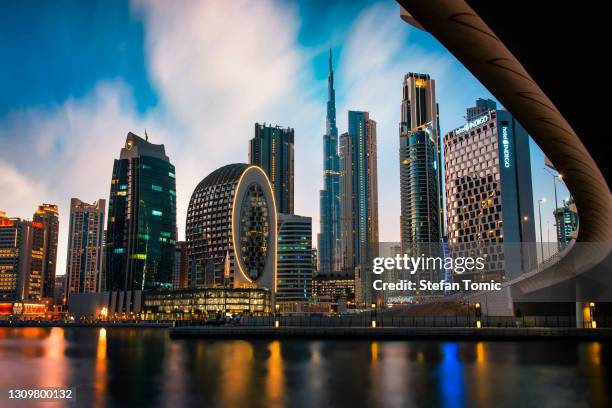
(77,76)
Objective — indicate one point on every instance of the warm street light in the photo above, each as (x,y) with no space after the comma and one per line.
(104,312)
(373,314)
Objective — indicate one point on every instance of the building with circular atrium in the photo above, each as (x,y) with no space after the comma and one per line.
(231,230)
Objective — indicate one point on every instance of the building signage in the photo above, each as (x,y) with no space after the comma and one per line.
(506,147)
(472,124)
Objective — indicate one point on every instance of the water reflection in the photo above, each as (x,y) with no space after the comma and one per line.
(138,367)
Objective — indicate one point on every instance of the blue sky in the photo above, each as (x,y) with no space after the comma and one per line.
(77,76)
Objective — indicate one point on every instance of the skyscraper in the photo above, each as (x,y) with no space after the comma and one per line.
(141,233)
(294,276)
(328,240)
(489,199)
(359,200)
(421,218)
(359,191)
(22,254)
(48,215)
(85,252)
(272,150)
(231,230)
(566,221)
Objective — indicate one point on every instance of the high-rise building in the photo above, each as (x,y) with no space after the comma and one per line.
(566,221)
(359,202)
(22,254)
(421,218)
(294,274)
(231,230)
(141,232)
(48,215)
(179,275)
(489,197)
(482,106)
(272,150)
(359,191)
(328,240)
(85,257)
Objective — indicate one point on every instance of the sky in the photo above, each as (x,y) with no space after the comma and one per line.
(78,76)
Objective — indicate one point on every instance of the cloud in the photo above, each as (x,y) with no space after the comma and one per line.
(217,68)
(53,154)
(379,51)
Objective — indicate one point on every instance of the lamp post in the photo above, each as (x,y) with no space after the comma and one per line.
(477,314)
(373,314)
(276,316)
(555,177)
(592,315)
(540,202)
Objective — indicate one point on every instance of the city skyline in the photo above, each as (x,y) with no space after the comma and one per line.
(94,116)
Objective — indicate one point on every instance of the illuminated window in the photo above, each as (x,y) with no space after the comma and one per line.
(157,213)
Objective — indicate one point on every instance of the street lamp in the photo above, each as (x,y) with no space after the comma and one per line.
(477,314)
(592,315)
(276,320)
(373,314)
(555,177)
(540,202)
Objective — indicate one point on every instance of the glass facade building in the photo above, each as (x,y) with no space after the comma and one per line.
(22,254)
(566,221)
(141,232)
(421,218)
(231,230)
(48,215)
(294,281)
(272,150)
(359,191)
(192,303)
(359,200)
(328,240)
(85,256)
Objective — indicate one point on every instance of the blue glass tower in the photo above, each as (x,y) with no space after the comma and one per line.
(329,236)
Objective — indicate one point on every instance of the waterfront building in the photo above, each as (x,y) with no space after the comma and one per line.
(48,215)
(359,198)
(196,303)
(566,221)
(141,232)
(332,288)
(295,271)
(272,150)
(421,218)
(231,230)
(489,198)
(85,257)
(179,275)
(328,240)
(22,254)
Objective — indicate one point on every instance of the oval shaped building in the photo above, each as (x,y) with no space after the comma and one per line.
(231,229)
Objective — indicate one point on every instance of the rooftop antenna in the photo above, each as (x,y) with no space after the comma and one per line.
(146,136)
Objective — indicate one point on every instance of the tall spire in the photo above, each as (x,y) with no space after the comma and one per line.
(331,128)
